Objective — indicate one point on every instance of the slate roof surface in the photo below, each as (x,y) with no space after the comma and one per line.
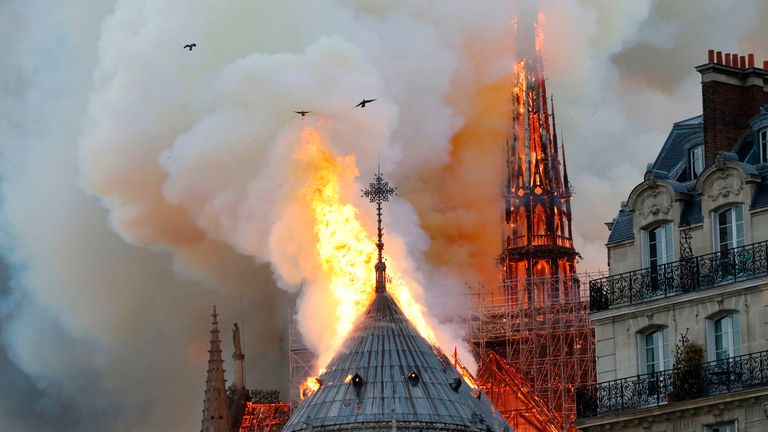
(622,228)
(760,198)
(691,213)
(684,134)
(384,349)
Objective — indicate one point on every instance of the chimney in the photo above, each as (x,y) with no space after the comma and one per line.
(732,93)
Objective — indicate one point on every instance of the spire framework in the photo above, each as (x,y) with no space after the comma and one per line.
(379,191)
(215,412)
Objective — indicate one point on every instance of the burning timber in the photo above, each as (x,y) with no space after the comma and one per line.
(536,320)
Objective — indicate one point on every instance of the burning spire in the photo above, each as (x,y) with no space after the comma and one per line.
(379,191)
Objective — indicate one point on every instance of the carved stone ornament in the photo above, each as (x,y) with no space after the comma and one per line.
(724,185)
(719,161)
(650,178)
(656,202)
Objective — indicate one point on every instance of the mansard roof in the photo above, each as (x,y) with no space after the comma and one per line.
(672,157)
(671,167)
(386,375)
(622,227)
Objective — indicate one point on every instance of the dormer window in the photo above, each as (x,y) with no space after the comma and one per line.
(764,145)
(696,161)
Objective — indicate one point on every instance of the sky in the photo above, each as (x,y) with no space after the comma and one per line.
(141,183)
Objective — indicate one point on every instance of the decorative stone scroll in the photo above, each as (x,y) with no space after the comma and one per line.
(725,185)
(655,204)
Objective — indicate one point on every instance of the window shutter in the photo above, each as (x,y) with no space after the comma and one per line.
(665,348)
(736,335)
(710,328)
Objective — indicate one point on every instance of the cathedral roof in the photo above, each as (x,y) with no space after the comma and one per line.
(386,376)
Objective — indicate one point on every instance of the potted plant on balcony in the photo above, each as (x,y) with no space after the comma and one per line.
(688,374)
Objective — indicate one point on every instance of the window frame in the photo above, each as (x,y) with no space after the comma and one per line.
(732,321)
(731,425)
(661,347)
(762,144)
(737,238)
(692,159)
(667,244)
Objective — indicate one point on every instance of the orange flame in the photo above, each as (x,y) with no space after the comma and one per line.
(310,386)
(345,251)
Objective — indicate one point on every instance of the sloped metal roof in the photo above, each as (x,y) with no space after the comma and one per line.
(387,376)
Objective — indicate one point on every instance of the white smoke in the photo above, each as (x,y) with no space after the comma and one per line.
(107,310)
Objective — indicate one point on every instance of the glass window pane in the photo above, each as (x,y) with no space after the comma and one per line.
(653,251)
(738,226)
(696,161)
(668,247)
(730,228)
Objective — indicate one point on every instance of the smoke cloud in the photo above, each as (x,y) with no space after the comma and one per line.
(142,183)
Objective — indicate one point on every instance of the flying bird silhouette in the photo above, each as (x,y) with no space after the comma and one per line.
(364,102)
(302,113)
(190,46)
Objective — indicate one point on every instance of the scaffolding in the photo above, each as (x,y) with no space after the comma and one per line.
(547,340)
(301,361)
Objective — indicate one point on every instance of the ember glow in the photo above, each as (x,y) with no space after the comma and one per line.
(345,250)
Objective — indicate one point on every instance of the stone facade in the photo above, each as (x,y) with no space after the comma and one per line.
(707,283)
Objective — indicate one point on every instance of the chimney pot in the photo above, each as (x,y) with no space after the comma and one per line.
(734,60)
(765,64)
(742,62)
(719,57)
(711,56)
(727,59)
(750,60)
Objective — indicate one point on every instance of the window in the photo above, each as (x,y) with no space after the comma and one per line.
(654,351)
(696,161)
(764,145)
(723,337)
(731,426)
(658,246)
(729,229)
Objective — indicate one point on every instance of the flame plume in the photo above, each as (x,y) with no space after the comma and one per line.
(345,251)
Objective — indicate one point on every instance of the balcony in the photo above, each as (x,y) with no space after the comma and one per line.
(687,275)
(649,390)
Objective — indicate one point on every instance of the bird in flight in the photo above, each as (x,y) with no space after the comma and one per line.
(302,113)
(190,46)
(364,102)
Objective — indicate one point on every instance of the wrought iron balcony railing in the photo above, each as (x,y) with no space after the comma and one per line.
(686,275)
(643,391)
